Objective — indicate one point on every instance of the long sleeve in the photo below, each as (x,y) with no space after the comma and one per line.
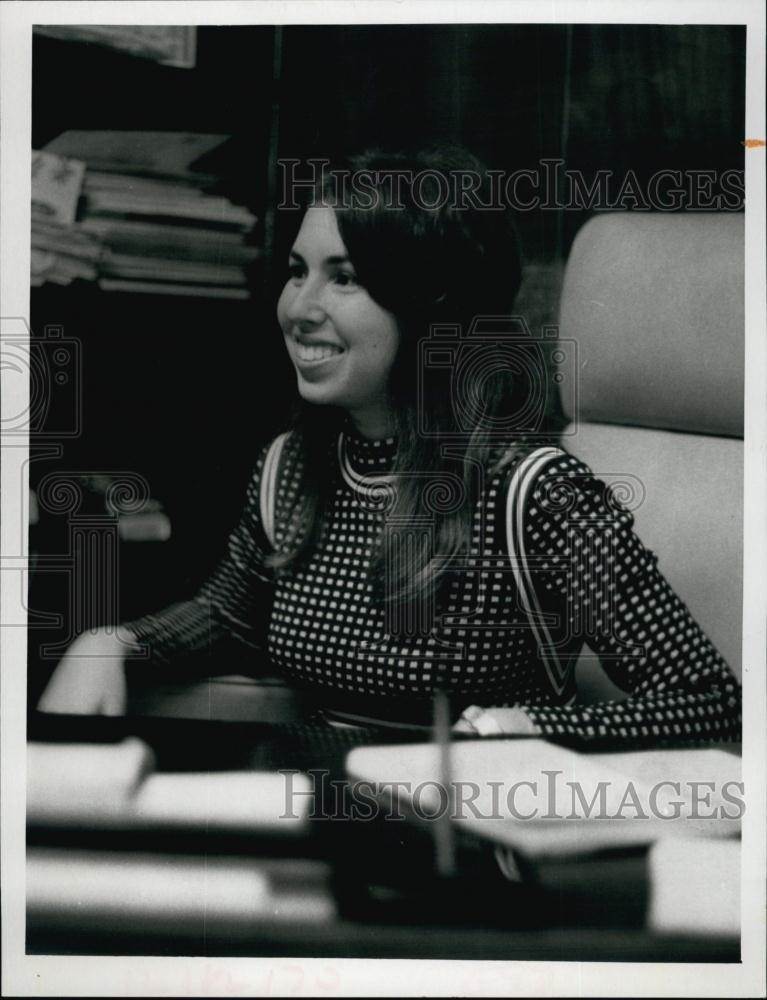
(233,604)
(591,565)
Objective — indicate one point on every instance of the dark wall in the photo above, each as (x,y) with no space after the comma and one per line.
(600,96)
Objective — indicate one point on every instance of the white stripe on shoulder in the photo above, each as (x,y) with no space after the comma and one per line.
(268,485)
(522,482)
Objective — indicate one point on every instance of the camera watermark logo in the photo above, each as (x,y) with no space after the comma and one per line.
(42,376)
(501,381)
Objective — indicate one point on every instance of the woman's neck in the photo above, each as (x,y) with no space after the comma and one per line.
(373,424)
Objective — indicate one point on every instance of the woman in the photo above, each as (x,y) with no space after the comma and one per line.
(384,573)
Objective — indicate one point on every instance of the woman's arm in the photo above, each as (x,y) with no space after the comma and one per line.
(231,611)
(589,564)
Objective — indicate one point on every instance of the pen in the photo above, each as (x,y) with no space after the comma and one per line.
(444,835)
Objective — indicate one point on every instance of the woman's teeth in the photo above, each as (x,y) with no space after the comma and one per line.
(316,352)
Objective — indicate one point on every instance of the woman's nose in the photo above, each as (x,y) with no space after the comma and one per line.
(305,306)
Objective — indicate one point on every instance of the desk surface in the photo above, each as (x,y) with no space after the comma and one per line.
(347,939)
(574,931)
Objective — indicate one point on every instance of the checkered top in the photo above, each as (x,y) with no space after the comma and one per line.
(324,626)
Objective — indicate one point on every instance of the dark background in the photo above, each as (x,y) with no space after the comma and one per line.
(185,391)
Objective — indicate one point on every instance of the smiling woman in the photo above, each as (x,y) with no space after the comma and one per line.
(382,572)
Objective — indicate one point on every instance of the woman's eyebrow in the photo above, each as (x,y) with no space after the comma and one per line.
(335,259)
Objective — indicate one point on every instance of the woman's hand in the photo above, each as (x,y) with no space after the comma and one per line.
(90,679)
(496,722)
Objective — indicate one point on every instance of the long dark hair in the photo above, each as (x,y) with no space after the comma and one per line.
(446,262)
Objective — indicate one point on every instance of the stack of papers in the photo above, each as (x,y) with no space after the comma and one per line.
(71,891)
(115,787)
(547,801)
(559,811)
(126,209)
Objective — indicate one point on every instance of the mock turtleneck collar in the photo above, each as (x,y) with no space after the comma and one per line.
(365,455)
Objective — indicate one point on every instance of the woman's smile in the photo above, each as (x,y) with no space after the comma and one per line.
(313,354)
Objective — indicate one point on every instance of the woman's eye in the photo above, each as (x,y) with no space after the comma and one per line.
(346,278)
(296,270)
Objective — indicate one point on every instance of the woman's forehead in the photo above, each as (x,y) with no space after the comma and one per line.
(319,232)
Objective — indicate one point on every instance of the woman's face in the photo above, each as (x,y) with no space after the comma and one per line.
(341,342)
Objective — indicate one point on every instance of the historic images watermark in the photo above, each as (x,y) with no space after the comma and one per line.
(545,796)
(50,367)
(548,186)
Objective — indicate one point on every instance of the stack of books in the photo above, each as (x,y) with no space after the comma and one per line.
(60,251)
(125,209)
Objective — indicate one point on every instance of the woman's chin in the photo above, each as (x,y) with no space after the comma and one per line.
(317,393)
